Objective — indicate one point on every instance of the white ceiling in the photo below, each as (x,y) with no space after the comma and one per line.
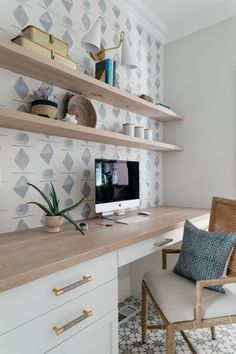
(173,12)
(174,19)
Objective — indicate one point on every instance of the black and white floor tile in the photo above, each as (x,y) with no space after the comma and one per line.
(130,334)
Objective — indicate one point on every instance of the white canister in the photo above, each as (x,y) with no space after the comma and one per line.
(139,131)
(128,129)
(148,134)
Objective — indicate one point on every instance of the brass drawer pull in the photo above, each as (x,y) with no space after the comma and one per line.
(60,330)
(163,242)
(52,54)
(51,38)
(86,279)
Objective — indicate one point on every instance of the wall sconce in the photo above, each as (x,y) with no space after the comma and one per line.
(92,44)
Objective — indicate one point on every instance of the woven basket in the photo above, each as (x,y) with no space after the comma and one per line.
(83,109)
(44,108)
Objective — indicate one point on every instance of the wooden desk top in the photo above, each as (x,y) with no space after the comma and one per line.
(31,254)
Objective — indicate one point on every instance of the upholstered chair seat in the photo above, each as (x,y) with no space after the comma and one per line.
(175,296)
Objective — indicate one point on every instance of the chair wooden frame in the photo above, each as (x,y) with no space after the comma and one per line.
(225,210)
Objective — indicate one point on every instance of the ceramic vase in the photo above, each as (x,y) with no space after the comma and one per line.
(53,223)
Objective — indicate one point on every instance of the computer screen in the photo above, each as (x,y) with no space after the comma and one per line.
(116,184)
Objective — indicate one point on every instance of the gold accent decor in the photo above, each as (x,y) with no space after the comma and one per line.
(60,330)
(101,54)
(46,40)
(51,38)
(162,242)
(44,51)
(86,279)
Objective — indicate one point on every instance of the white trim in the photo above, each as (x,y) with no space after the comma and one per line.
(202,20)
(124,288)
(144,16)
(140,13)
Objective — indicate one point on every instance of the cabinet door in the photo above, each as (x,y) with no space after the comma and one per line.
(101,338)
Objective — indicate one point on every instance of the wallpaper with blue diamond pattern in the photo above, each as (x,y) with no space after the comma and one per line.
(31,157)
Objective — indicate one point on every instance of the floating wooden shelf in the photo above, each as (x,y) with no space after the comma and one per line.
(24,61)
(30,122)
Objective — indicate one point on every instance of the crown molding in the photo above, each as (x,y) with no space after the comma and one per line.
(141,14)
(202,20)
(137,10)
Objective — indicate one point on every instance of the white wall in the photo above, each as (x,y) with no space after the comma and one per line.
(199,82)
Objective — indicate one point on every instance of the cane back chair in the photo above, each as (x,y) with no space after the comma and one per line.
(183,304)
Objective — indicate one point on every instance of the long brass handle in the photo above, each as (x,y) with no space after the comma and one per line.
(60,330)
(163,242)
(51,38)
(86,279)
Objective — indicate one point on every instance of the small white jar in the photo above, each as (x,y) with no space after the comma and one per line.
(148,134)
(139,131)
(128,129)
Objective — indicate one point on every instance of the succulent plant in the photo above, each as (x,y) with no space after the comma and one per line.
(52,208)
(42,93)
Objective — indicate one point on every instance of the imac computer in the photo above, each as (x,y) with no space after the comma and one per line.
(116,187)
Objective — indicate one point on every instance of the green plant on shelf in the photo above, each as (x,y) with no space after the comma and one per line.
(52,208)
(43,93)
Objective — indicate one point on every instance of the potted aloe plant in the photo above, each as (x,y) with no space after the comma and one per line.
(54,216)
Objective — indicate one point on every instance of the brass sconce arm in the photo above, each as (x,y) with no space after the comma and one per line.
(101,54)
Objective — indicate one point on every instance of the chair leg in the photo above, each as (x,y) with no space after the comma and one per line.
(213,333)
(144,314)
(170,341)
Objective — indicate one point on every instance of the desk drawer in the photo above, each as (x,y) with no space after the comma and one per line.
(143,248)
(104,334)
(26,302)
(38,336)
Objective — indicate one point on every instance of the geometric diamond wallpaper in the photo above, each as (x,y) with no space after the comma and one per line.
(69,163)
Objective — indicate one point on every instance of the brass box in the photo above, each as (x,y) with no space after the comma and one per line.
(29,44)
(45,39)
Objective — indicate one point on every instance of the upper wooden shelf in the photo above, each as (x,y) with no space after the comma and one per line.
(26,62)
(30,122)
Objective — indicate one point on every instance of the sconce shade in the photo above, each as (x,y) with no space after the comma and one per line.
(91,41)
(127,55)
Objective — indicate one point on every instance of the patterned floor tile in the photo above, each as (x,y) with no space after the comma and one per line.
(130,335)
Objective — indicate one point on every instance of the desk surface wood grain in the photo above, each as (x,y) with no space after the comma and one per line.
(31,254)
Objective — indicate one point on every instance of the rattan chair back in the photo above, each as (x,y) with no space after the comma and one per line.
(223,218)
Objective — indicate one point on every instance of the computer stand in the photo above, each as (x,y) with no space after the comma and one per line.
(114,216)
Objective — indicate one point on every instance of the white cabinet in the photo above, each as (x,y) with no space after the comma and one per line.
(141,249)
(26,302)
(100,338)
(31,326)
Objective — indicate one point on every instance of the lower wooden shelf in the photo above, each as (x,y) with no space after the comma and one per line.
(30,122)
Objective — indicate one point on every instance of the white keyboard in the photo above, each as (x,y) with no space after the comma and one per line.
(132,219)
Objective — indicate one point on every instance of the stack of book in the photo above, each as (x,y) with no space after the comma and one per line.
(105,71)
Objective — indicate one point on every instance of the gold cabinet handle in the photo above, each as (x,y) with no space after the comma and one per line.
(51,38)
(60,330)
(86,279)
(52,54)
(163,242)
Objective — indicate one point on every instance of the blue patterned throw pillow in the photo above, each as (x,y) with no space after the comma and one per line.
(204,254)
